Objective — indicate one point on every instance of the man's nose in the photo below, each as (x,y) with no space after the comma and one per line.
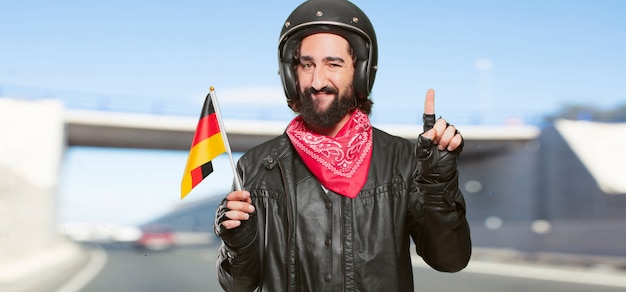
(320,80)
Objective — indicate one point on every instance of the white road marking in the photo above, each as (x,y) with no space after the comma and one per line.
(537,272)
(83,277)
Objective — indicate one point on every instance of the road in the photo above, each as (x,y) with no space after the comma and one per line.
(130,269)
(193,269)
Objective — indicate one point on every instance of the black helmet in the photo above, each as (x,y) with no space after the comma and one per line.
(332,16)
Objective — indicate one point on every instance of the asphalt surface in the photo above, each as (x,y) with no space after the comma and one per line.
(122,267)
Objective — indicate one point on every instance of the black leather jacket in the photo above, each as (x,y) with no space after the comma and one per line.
(301,238)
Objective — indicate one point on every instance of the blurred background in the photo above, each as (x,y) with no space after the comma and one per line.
(99,101)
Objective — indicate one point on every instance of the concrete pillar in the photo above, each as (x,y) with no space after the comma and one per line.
(32,143)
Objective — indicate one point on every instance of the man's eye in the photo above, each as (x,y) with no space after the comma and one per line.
(334,67)
(306,66)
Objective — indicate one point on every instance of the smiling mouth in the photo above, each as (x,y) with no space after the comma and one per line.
(319,95)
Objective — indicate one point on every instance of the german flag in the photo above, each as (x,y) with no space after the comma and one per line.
(206,145)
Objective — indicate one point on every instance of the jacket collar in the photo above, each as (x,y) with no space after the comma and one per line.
(281,147)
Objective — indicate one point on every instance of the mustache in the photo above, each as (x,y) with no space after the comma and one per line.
(327,90)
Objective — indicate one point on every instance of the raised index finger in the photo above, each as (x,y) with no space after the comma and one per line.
(429,104)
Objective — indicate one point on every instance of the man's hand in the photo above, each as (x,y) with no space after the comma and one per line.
(438,148)
(239,207)
(235,221)
(442,134)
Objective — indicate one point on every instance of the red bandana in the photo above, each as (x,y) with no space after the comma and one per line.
(340,163)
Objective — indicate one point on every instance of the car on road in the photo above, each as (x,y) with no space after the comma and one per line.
(156,238)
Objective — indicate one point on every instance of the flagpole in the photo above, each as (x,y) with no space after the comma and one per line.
(225,138)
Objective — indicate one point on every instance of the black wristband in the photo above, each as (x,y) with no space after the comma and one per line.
(429,121)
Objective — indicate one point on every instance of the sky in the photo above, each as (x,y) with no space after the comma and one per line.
(500,57)
(487,60)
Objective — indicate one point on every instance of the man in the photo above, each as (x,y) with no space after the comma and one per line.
(332,203)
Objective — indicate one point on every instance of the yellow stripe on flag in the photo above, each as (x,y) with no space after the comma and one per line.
(200,154)
(205,151)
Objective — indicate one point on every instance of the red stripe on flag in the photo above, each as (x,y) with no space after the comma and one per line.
(196,176)
(207,127)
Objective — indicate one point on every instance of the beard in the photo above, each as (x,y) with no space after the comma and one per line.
(315,117)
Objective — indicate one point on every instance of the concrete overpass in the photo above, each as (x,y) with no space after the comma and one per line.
(107,129)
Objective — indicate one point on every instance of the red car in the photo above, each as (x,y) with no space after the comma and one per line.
(156,237)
